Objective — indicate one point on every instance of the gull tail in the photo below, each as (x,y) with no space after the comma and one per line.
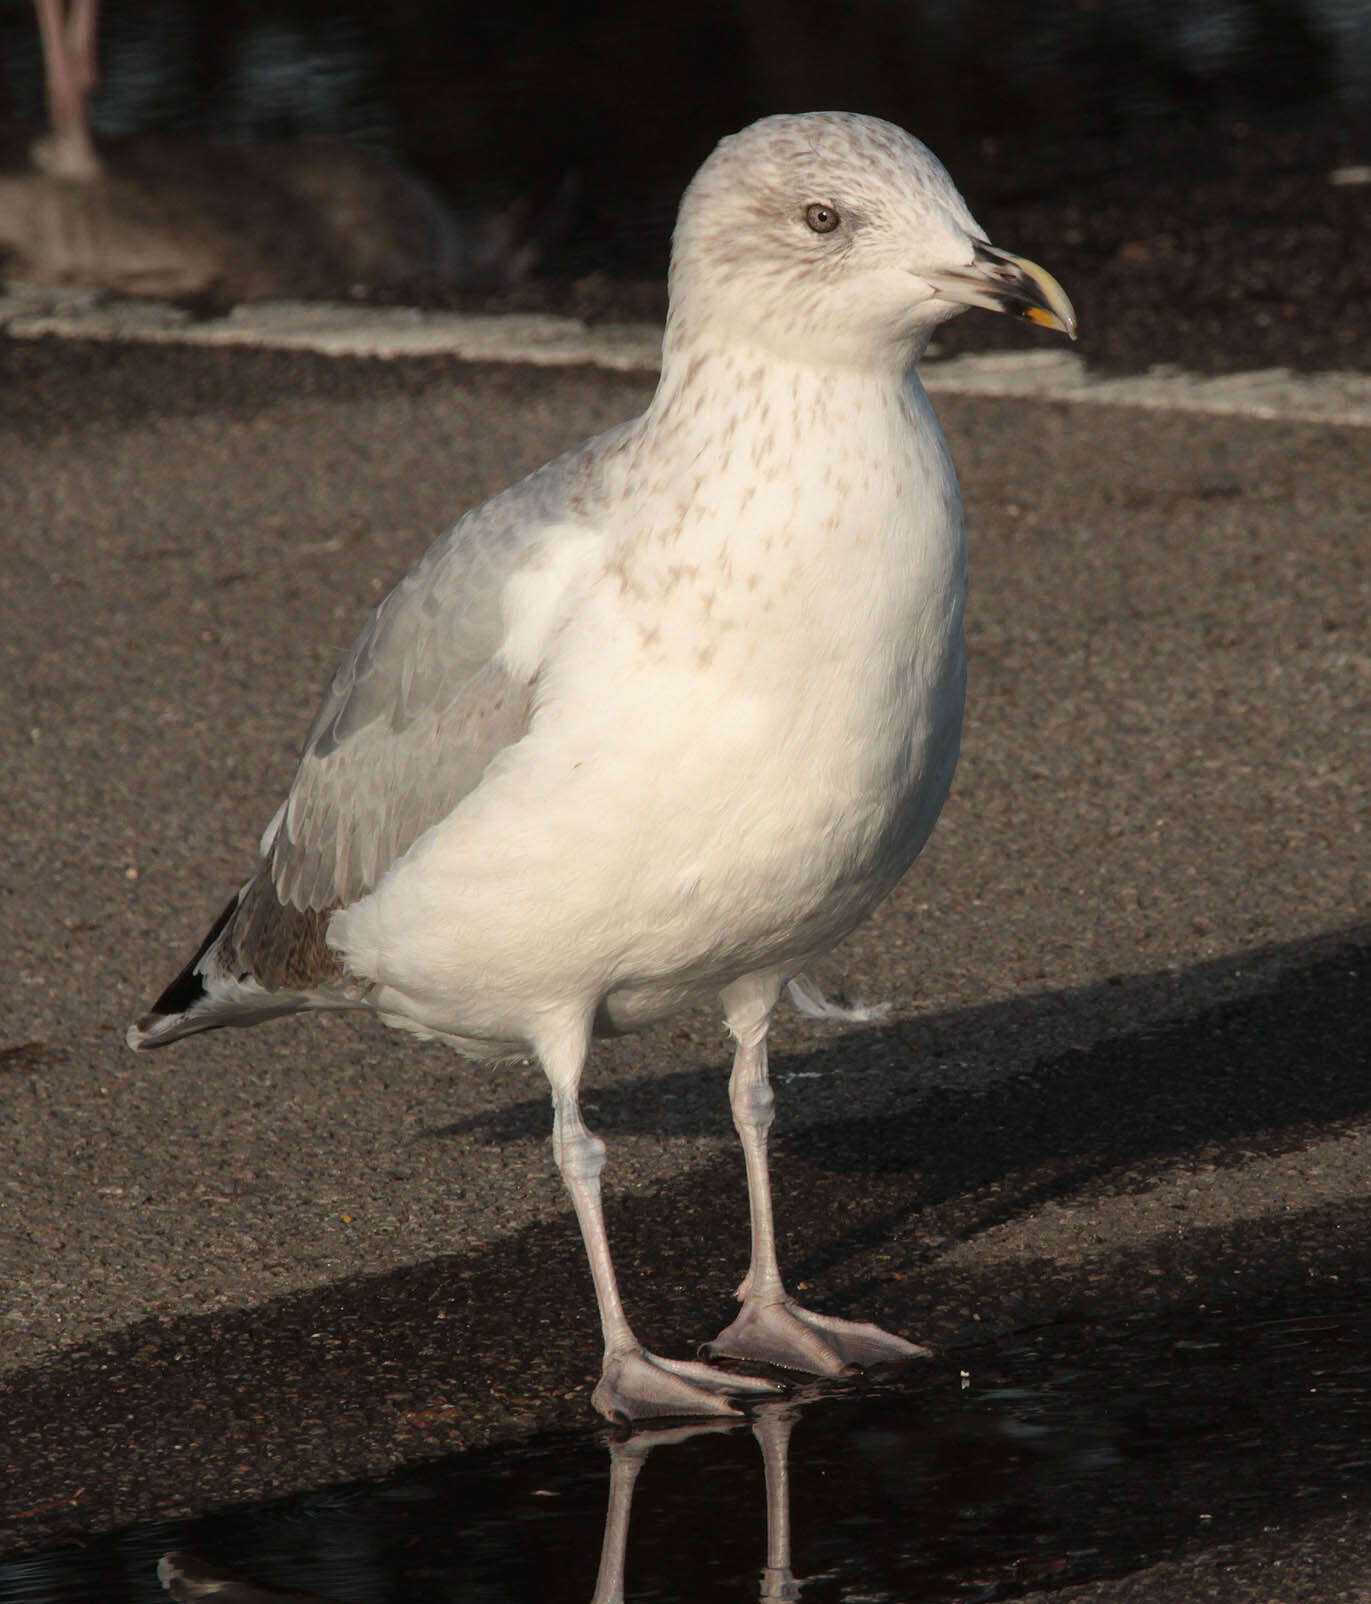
(227,982)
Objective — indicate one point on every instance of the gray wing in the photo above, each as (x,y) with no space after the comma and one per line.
(421,703)
(440,680)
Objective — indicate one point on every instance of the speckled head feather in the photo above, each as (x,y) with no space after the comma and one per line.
(748,262)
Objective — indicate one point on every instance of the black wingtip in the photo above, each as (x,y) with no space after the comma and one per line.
(189,986)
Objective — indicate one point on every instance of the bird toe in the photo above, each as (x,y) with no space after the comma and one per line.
(636,1385)
(782,1333)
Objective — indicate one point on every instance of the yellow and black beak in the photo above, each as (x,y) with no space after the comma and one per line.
(1004,283)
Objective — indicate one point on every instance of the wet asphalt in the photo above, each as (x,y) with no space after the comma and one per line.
(1124,1068)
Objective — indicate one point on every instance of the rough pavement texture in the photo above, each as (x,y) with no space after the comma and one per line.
(1126,1057)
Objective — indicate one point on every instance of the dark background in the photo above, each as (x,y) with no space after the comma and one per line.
(1172,162)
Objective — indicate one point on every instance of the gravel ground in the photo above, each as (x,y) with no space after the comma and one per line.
(1125,1063)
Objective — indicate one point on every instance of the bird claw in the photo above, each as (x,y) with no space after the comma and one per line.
(782,1333)
(636,1385)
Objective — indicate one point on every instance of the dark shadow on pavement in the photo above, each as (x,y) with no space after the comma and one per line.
(357,1377)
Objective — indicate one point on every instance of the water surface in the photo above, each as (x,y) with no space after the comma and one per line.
(1058,1455)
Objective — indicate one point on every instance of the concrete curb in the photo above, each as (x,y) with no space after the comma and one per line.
(335,329)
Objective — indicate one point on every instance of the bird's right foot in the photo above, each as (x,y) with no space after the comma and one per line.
(636,1385)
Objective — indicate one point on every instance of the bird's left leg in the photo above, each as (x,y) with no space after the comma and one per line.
(771,1326)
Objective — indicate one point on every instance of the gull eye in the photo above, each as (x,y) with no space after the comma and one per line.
(822,219)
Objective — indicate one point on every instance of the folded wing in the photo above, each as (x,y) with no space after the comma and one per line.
(442,678)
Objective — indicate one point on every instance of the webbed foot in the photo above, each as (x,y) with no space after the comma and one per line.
(782,1333)
(637,1385)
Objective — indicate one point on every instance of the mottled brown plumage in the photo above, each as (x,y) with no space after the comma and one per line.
(282,947)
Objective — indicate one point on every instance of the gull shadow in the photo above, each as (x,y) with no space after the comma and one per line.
(1263,1067)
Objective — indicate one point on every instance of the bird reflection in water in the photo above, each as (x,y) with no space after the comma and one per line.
(187,1577)
(771,1426)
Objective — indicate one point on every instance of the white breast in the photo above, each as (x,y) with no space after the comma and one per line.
(744,733)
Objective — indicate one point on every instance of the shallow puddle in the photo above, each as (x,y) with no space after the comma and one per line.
(1063,1454)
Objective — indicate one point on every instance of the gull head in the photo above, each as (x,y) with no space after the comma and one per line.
(839,239)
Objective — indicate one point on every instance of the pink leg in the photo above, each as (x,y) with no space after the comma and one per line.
(69,58)
(771,1326)
(634,1384)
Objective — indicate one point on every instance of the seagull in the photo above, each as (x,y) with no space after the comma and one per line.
(661,723)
